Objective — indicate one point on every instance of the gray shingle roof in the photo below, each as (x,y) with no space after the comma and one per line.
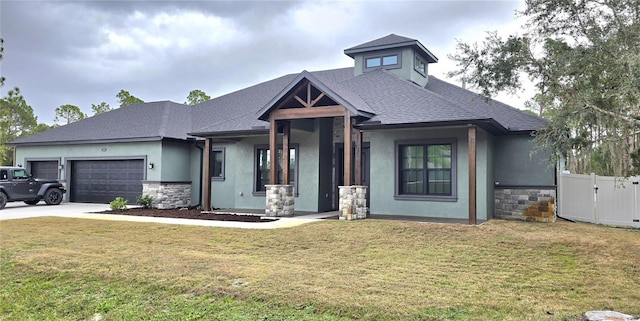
(145,121)
(237,111)
(397,101)
(392,100)
(389,42)
(389,99)
(509,117)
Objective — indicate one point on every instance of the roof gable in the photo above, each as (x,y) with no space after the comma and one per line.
(329,91)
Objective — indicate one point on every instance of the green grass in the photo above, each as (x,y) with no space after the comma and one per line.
(73,269)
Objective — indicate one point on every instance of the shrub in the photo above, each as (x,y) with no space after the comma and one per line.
(146,201)
(118,204)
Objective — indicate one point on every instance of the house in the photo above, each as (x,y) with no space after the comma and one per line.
(418,146)
(126,152)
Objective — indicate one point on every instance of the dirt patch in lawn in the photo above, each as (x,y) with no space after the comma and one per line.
(189,214)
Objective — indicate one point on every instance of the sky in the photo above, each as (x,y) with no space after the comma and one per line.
(85,52)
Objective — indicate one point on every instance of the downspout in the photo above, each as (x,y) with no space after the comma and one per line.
(195,143)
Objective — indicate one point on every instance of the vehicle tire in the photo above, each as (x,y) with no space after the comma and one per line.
(53,196)
(3,200)
(33,202)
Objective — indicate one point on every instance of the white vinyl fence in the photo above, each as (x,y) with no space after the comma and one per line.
(599,199)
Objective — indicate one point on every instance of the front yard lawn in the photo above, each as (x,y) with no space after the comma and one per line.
(74,269)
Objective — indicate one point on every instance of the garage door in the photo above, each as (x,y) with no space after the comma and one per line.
(44,169)
(101,181)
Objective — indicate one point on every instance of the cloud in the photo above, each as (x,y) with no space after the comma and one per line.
(145,45)
(84,52)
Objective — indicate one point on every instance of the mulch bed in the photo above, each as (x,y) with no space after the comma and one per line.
(189,214)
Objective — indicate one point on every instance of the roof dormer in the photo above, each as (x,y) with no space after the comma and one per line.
(405,57)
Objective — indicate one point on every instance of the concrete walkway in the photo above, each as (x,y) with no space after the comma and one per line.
(84,211)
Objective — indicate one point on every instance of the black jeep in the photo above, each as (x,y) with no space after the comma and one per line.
(18,185)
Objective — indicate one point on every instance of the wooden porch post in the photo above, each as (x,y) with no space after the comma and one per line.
(273,150)
(285,152)
(347,148)
(206,180)
(472,175)
(358,158)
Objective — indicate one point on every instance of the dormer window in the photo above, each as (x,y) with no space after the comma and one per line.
(386,61)
(419,65)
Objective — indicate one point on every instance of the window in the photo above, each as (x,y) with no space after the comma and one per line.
(373,62)
(386,61)
(426,170)
(4,175)
(216,163)
(419,65)
(20,174)
(262,167)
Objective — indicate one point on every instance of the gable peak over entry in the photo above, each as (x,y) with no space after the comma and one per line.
(307,96)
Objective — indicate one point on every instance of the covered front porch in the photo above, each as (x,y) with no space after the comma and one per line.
(306,127)
(319,136)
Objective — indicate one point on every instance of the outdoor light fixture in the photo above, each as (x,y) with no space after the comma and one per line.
(60,167)
(150,165)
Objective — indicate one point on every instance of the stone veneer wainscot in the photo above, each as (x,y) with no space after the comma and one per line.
(531,204)
(168,194)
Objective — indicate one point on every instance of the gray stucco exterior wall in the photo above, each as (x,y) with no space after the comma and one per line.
(174,166)
(517,165)
(173,161)
(404,71)
(151,150)
(237,190)
(383,175)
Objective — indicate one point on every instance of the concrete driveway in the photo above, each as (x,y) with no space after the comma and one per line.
(15,210)
(18,210)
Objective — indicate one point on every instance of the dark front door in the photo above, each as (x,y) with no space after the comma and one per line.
(339,179)
(101,181)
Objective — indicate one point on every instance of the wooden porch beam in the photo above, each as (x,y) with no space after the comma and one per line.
(472,175)
(301,113)
(358,157)
(273,152)
(285,152)
(347,148)
(309,94)
(206,180)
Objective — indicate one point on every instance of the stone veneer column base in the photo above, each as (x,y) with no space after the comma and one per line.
(529,204)
(279,200)
(353,202)
(167,194)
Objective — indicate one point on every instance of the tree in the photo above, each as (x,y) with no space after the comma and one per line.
(126,99)
(67,114)
(197,96)
(582,56)
(16,120)
(40,128)
(1,51)
(103,107)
